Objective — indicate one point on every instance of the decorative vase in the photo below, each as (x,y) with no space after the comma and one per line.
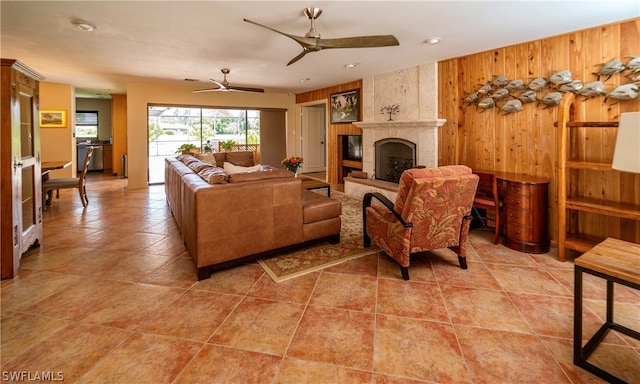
(295,173)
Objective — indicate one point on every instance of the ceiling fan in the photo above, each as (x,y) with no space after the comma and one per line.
(225,86)
(311,41)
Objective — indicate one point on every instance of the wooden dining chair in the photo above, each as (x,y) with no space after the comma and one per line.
(487,198)
(69,182)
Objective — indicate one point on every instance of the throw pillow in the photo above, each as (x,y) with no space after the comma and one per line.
(213,175)
(231,169)
(206,157)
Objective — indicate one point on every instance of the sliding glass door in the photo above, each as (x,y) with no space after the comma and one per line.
(169,127)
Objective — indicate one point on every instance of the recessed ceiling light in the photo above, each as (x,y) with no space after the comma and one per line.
(352,65)
(433,40)
(305,79)
(84,25)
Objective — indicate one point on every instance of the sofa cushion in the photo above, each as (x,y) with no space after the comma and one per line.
(316,207)
(220,157)
(231,169)
(197,166)
(266,172)
(206,157)
(242,158)
(214,175)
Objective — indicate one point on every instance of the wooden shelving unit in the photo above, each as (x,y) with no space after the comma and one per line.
(569,201)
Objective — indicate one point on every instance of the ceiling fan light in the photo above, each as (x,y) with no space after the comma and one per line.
(351,65)
(84,26)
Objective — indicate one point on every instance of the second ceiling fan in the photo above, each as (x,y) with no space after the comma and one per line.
(312,42)
(225,86)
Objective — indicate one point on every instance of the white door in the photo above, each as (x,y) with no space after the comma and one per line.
(313,138)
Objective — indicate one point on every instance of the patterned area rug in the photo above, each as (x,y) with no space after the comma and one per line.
(322,255)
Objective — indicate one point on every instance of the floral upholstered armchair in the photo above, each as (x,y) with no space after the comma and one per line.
(432,211)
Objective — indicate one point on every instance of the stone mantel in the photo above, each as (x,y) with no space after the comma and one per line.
(437,123)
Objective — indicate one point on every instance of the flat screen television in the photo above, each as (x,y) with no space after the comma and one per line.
(352,147)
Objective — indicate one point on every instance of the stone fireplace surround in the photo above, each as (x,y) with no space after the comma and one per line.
(422,133)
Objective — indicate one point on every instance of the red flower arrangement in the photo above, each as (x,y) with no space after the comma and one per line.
(292,163)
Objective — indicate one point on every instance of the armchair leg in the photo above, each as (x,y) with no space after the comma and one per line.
(405,272)
(463,262)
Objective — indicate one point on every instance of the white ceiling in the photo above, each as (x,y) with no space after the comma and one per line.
(170,41)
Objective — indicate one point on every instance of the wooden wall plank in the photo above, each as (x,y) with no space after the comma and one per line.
(525,142)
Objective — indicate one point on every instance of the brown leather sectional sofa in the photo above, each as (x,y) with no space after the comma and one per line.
(228,219)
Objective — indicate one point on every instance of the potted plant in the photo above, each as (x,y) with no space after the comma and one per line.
(227,145)
(207,146)
(186,148)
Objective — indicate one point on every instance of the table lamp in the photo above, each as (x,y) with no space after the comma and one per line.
(626,156)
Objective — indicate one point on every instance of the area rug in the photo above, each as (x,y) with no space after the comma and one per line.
(322,255)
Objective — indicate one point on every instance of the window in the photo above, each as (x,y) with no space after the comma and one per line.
(86,124)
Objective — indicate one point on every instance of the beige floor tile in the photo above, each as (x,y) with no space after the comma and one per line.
(507,357)
(362,266)
(411,299)
(216,364)
(527,280)
(477,275)
(71,352)
(193,316)
(157,360)
(259,325)
(484,308)
(22,331)
(418,350)
(335,336)
(238,280)
(345,291)
(302,371)
(296,290)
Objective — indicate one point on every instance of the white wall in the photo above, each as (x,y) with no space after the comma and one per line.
(139,95)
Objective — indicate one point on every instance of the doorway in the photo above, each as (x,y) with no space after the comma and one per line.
(313,128)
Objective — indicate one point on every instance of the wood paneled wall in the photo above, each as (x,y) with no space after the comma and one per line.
(333,155)
(525,142)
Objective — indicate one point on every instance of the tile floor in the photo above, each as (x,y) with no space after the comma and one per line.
(112,296)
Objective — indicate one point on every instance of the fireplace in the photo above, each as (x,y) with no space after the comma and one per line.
(392,157)
(422,136)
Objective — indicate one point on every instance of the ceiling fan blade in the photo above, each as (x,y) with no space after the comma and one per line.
(358,42)
(305,42)
(300,56)
(206,90)
(245,89)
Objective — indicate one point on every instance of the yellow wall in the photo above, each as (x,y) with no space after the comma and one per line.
(58,144)
(139,95)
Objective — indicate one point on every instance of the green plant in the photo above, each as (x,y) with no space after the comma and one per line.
(207,146)
(186,148)
(228,144)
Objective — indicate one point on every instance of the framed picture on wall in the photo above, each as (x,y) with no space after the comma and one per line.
(53,119)
(345,107)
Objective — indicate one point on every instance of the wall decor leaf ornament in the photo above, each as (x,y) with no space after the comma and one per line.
(592,89)
(538,84)
(486,103)
(560,77)
(623,92)
(551,99)
(609,69)
(511,106)
(500,91)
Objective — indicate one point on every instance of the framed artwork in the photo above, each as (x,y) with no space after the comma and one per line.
(345,107)
(53,119)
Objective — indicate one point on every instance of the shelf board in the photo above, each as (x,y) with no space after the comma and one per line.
(592,124)
(604,207)
(589,165)
(352,164)
(581,243)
